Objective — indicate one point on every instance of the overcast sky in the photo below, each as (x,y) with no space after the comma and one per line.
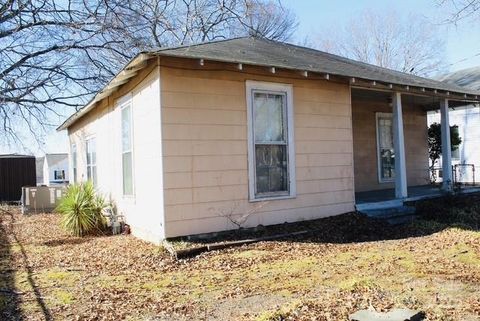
(462,41)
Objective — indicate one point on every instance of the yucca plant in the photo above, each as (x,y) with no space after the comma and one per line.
(81,209)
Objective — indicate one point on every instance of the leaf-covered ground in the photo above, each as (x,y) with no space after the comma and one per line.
(350,263)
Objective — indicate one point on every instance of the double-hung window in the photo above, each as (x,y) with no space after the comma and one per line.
(74,162)
(127,148)
(91,160)
(271,151)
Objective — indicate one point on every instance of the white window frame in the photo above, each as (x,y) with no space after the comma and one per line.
(379,158)
(274,88)
(122,103)
(94,181)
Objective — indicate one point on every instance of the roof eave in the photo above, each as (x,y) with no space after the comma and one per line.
(129,71)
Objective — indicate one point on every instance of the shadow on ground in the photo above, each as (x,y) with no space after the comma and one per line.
(10,296)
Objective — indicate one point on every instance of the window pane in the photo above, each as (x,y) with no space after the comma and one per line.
(89,172)
(89,159)
(269,117)
(94,175)
(127,174)
(271,168)
(387,158)
(126,129)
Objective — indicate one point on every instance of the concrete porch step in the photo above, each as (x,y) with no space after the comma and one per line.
(399,214)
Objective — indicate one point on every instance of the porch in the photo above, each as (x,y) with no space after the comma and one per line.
(390,143)
(415,193)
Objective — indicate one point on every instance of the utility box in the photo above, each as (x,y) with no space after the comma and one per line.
(41,199)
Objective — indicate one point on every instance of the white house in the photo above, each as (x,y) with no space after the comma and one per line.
(467,118)
(55,169)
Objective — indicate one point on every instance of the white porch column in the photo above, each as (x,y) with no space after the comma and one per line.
(446,146)
(399,146)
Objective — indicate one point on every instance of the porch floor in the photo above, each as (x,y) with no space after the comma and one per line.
(414,193)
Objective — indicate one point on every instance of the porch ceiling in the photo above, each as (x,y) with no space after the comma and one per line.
(425,102)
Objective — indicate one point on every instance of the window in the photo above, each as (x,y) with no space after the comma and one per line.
(385,149)
(271,150)
(59,175)
(91,160)
(127,155)
(74,162)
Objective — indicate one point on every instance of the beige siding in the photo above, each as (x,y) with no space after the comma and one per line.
(204,125)
(365,144)
(144,210)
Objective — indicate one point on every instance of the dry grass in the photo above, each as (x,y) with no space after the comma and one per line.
(48,274)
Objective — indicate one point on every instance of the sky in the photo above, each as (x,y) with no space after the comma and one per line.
(462,41)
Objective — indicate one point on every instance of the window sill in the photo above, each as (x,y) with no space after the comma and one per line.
(272,198)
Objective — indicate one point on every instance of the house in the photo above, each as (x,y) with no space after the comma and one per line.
(467,118)
(16,171)
(54,169)
(39,169)
(248,131)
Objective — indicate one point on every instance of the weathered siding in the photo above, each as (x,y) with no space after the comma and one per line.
(365,144)
(204,120)
(144,210)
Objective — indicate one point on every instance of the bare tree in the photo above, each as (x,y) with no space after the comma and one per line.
(160,23)
(55,54)
(408,44)
(460,9)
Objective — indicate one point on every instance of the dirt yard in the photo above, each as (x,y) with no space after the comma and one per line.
(350,263)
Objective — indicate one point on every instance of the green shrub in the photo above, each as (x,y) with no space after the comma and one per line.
(81,210)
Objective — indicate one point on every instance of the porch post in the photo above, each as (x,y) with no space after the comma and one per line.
(446,146)
(399,146)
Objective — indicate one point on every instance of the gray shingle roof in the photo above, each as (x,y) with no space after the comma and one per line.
(469,78)
(263,52)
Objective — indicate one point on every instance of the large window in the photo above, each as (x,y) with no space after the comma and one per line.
(127,155)
(74,162)
(91,160)
(271,153)
(385,148)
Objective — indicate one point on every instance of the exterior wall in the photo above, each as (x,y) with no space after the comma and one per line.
(365,144)
(468,122)
(143,211)
(204,122)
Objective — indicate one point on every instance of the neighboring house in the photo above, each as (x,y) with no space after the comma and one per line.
(467,118)
(39,169)
(247,131)
(16,171)
(55,169)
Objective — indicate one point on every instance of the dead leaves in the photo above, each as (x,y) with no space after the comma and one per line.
(351,263)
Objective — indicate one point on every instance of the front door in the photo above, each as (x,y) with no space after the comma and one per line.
(385,149)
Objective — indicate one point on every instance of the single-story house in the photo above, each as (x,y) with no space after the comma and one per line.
(247,131)
(54,169)
(465,159)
